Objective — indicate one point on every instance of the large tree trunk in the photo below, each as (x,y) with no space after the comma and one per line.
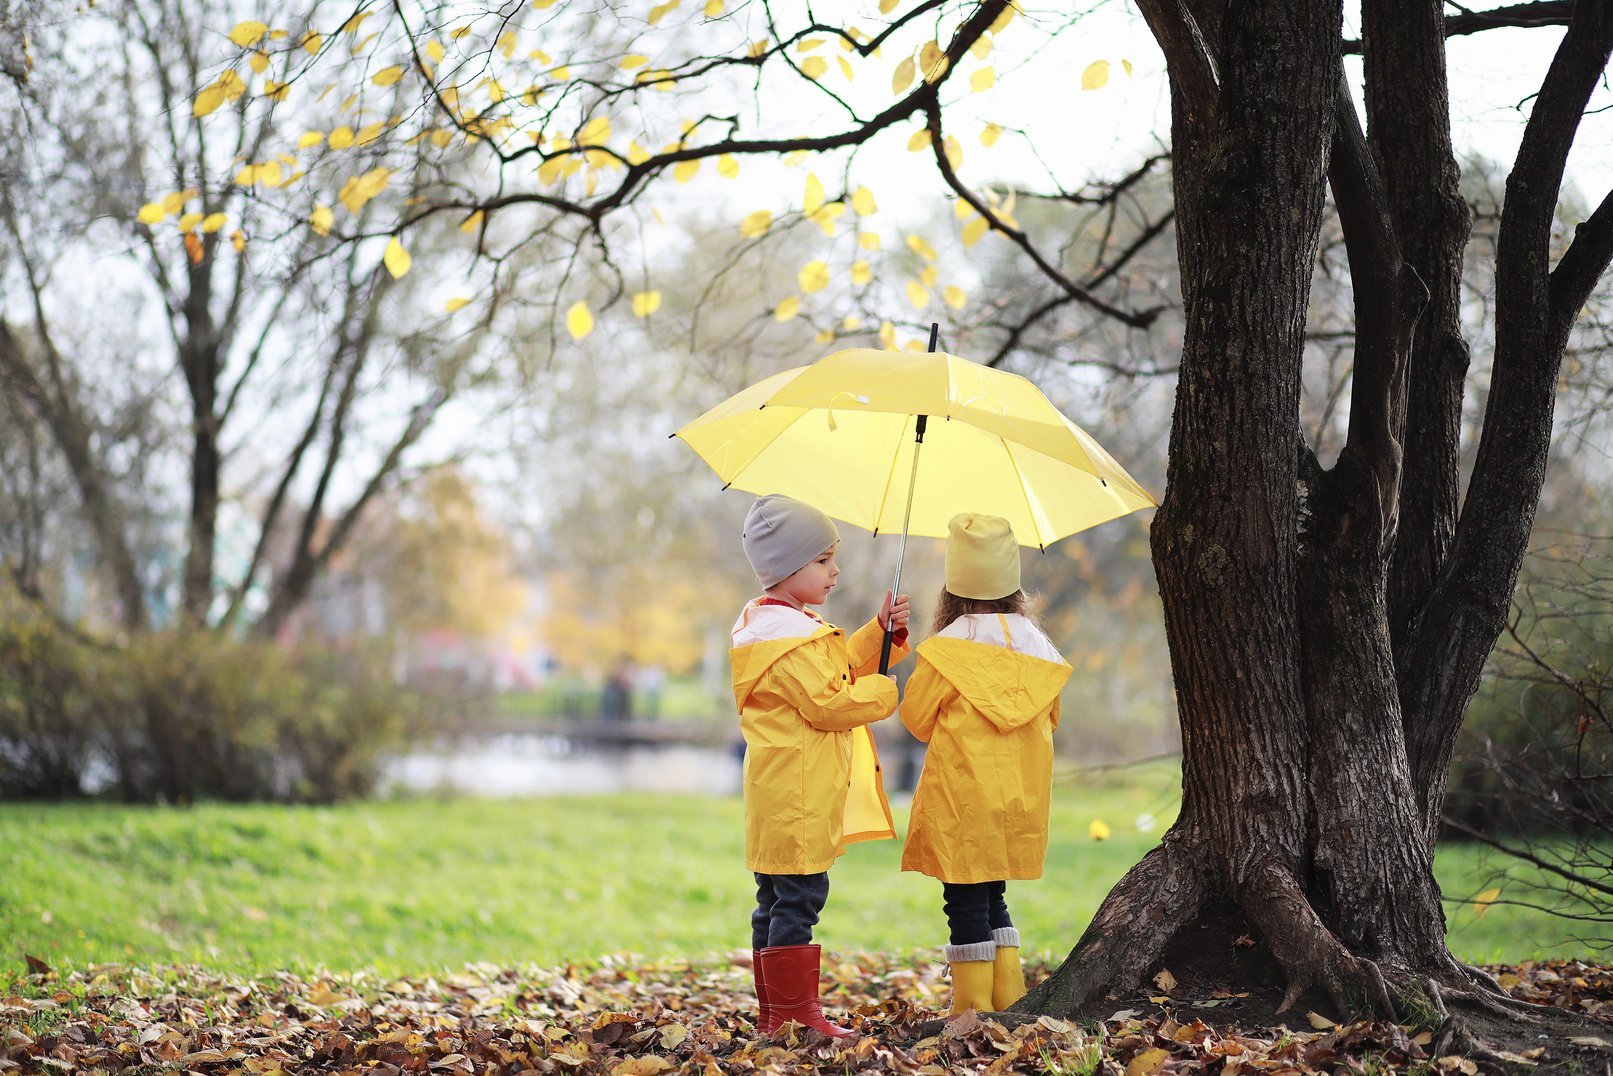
(1298,627)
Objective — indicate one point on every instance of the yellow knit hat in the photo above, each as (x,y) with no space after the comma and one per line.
(982,557)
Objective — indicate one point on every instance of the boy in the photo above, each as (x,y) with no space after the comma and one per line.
(806,695)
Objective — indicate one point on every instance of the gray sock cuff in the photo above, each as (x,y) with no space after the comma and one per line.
(1006,936)
(986,950)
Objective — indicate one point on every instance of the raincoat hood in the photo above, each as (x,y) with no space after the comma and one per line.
(762,635)
(1007,687)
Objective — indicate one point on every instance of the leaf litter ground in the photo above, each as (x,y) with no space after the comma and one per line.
(624,1017)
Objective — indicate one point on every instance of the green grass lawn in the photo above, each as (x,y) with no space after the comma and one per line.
(426,885)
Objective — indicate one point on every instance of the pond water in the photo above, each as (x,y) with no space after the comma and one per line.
(521,764)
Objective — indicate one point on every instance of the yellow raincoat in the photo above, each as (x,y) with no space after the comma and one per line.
(805,698)
(985,697)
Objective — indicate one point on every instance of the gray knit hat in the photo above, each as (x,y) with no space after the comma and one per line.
(782,535)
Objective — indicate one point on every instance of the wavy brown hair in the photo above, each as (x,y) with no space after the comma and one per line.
(949,607)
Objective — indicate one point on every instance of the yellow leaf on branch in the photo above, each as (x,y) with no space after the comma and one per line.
(921,246)
(248,33)
(933,62)
(845,69)
(341,137)
(929,276)
(646,303)
(1482,902)
(311,42)
(756,224)
(193,248)
(396,259)
(728,166)
(1098,829)
(259,62)
(813,67)
(213,222)
(458,302)
(207,101)
(596,132)
(813,196)
(862,202)
(955,297)
(1096,75)
(189,221)
(321,220)
(238,240)
(827,217)
(684,171)
(903,78)
(983,79)
(954,152)
(714,8)
(151,213)
(579,320)
(660,11)
(472,222)
(868,241)
(814,276)
(388,76)
(920,141)
(358,190)
(917,294)
(990,134)
(860,272)
(310,139)
(787,308)
(632,60)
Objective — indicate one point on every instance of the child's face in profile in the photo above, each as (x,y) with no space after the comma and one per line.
(811,583)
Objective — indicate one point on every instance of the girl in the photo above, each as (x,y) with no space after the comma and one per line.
(985,697)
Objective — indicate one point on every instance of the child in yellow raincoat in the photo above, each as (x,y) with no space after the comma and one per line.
(985,696)
(806,694)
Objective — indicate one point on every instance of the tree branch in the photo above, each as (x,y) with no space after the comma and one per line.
(1540,13)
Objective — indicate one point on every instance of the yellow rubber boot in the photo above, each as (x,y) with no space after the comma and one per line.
(972,967)
(1007,978)
(1008,975)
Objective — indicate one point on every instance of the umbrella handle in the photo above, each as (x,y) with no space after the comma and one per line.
(901,546)
(896,584)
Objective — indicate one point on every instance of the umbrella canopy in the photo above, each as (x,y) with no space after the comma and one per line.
(839,434)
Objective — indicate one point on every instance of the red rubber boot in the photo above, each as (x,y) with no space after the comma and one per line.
(791,973)
(766,1022)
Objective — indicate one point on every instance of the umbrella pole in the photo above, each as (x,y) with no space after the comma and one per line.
(901,545)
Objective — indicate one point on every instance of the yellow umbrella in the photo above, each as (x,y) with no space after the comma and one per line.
(840,435)
(845,434)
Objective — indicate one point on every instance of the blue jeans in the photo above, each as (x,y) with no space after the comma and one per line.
(974,910)
(787,907)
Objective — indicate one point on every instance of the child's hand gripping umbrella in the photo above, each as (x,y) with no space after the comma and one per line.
(844,435)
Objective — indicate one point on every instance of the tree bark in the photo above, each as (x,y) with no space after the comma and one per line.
(1327,626)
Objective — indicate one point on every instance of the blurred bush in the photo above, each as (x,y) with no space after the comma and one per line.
(1535,756)
(183,715)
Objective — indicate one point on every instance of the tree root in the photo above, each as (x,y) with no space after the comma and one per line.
(1132,926)
(1308,952)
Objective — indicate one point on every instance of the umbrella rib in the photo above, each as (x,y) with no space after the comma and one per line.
(890,476)
(1024,490)
(754,456)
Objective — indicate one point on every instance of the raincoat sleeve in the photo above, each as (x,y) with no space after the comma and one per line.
(865,644)
(927,692)
(827,698)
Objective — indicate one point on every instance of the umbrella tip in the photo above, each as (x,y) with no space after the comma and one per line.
(1103,482)
(725,485)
